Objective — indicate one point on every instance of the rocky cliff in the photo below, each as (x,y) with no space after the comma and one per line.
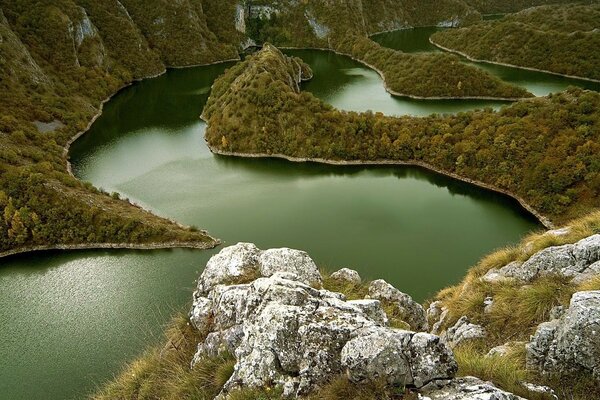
(287,335)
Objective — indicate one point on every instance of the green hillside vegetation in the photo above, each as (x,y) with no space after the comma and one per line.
(510,6)
(345,29)
(559,39)
(58,61)
(543,150)
(427,74)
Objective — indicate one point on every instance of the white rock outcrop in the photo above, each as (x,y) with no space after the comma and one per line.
(579,262)
(467,388)
(463,331)
(570,344)
(411,312)
(283,331)
(347,275)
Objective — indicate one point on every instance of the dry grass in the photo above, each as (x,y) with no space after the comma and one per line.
(340,388)
(507,371)
(165,373)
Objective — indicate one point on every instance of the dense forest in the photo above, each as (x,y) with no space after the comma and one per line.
(560,39)
(427,74)
(345,29)
(544,150)
(58,61)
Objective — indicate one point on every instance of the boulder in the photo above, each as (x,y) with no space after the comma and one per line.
(570,344)
(372,309)
(243,262)
(463,331)
(347,275)
(579,262)
(232,264)
(436,316)
(282,331)
(290,260)
(467,388)
(410,311)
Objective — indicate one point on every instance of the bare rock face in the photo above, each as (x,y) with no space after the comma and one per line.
(244,262)
(412,312)
(283,331)
(463,331)
(290,260)
(347,275)
(579,261)
(467,388)
(570,344)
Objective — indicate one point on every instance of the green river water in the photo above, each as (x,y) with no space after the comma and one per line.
(71,319)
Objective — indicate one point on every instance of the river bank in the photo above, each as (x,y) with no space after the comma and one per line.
(398,94)
(468,57)
(121,246)
(545,221)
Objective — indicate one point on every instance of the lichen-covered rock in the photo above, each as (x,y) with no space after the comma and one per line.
(379,354)
(290,260)
(285,332)
(244,262)
(230,264)
(467,388)
(579,262)
(411,312)
(372,309)
(463,331)
(570,344)
(347,275)
(436,316)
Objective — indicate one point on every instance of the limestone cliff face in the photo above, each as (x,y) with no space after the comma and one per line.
(317,23)
(84,50)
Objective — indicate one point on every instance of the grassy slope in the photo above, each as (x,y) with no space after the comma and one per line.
(560,39)
(543,150)
(59,60)
(517,311)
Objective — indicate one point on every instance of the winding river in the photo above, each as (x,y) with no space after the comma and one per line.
(71,319)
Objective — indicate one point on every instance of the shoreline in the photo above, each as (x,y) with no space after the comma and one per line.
(545,221)
(468,57)
(211,243)
(398,94)
(121,246)
(79,134)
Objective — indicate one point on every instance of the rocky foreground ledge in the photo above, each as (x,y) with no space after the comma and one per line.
(268,309)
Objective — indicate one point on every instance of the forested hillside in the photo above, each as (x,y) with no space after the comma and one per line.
(543,150)
(58,61)
(560,39)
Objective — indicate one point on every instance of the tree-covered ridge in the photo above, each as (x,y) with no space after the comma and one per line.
(427,75)
(58,61)
(345,26)
(510,6)
(560,39)
(543,150)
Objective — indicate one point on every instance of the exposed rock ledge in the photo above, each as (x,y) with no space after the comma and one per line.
(269,310)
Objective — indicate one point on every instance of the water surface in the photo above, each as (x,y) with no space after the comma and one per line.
(539,83)
(70,320)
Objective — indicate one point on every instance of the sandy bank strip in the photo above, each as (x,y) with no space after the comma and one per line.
(393,92)
(543,219)
(129,246)
(468,57)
